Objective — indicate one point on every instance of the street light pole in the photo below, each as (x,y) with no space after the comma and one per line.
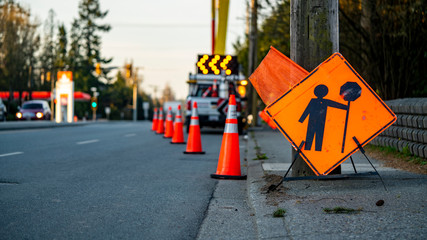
(135,94)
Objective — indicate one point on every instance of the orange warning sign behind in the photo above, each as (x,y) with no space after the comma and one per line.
(275,75)
(326,110)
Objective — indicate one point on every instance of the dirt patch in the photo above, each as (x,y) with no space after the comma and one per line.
(279,194)
(271,179)
(395,161)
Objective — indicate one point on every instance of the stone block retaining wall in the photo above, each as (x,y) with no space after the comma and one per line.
(410,129)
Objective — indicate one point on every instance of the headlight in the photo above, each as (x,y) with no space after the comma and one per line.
(39,115)
(244,82)
(19,115)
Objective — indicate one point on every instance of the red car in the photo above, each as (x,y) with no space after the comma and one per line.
(34,110)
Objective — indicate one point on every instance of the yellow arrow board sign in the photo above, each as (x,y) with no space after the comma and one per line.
(214,64)
(328,110)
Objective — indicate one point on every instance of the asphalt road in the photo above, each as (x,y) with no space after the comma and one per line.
(103,181)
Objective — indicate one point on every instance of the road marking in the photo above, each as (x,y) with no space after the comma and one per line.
(130,135)
(10,154)
(88,141)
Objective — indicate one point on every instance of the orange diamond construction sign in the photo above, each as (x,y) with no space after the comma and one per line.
(327,110)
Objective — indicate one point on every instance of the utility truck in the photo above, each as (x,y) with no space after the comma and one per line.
(216,78)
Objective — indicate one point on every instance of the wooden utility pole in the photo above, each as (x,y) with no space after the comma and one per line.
(135,94)
(253,31)
(314,37)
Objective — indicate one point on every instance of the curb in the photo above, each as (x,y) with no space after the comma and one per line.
(268,227)
(38,125)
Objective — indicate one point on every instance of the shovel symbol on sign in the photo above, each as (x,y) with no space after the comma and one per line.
(350,92)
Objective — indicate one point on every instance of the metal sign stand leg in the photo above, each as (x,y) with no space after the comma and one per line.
(273,187)
(363,152)
(325,177)
(352,163)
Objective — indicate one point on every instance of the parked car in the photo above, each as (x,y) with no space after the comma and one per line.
(34,110)
(3,111)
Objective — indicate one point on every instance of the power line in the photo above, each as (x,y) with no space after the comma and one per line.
(159,25)
(164,25)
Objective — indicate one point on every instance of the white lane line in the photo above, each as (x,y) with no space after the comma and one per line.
(88,141)
(10,154)
(130,135)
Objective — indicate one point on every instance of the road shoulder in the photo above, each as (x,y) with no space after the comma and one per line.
(229,215)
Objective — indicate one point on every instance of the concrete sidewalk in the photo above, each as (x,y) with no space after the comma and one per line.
(403,215)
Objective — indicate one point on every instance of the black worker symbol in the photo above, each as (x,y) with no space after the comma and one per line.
(316,112)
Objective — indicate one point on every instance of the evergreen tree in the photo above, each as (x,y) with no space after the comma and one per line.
(89,14)
(75,58)
(61,61)
(47,57)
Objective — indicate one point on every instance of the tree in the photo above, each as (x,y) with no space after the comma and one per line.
(385,41)
(61,60)
(274,31)
(47,56)
(168,94)
(17,47)
(74,53)
(118,97)
(89,14)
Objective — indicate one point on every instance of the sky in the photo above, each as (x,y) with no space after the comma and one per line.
(162,37)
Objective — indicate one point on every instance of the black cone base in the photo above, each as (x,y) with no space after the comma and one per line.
(194,152)
(217,176)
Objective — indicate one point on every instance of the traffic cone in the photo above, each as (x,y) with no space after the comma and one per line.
(214,89)
(169,124)
(229,157)
(178,133)
(194,141)
(160,123)
(154,125)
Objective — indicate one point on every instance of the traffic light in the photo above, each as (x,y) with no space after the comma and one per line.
(128,70)
(214,64)
(98,68)
(94,103)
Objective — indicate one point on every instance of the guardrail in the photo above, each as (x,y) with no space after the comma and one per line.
(409,132)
